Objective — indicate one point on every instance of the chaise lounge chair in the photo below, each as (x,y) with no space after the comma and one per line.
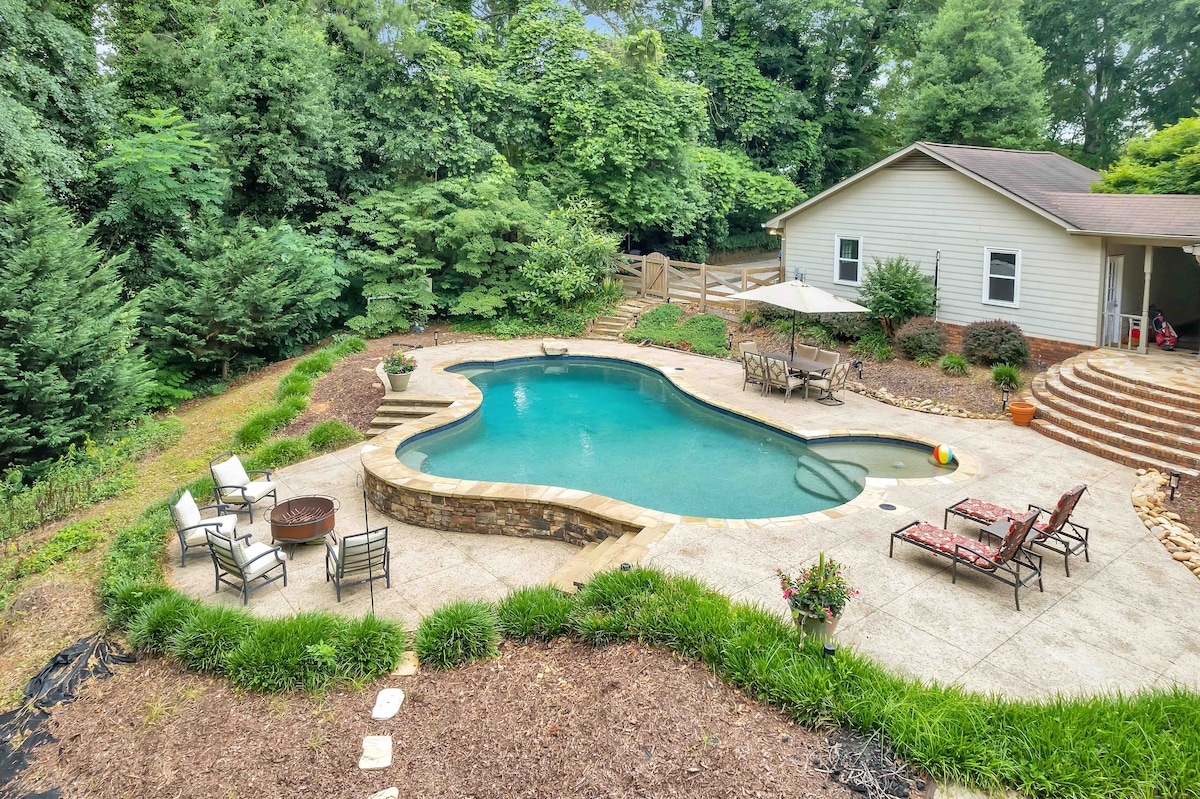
(1057,534)
(1010,562)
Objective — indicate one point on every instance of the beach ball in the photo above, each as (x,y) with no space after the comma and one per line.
(943,454)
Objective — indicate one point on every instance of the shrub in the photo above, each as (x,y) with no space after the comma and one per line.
(883,353)
(925,360)
(370,647)
(284,654)
(921,336)
(867,346)
(816,335)
(849,326)
(534,613)
(152,627)
(207,637)
(458,633)
(332,434)
(279,453)
(993,342)
(896,291)
(953,364)
(1005,376)
(294,384)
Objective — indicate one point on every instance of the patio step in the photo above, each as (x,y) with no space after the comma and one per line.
(1142,387)
(610,328)
(610,553)
(401,408)
(1120,419)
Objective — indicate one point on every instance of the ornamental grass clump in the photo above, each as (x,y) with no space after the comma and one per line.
(458,633)
(152,626)
(819,592)
(534,613)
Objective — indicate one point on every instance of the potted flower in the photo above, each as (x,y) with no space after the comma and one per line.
(399,368)
(817,596)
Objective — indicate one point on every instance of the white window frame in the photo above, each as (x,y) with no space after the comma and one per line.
(837,259)
(987,277)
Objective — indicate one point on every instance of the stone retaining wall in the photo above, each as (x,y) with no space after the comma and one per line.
(491,516)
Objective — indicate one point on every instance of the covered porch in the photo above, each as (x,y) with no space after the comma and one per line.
(1141,274)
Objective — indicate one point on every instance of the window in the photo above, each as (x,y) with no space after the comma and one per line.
(1001,277)
(847,263)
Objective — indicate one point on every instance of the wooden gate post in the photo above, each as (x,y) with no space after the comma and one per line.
(743,289)
(643,276)
(704,288)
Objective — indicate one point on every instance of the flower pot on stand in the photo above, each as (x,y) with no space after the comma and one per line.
(398,382)
(1022,413)
(820,628)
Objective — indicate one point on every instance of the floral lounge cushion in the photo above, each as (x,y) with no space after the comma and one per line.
(970,550)
(982,511)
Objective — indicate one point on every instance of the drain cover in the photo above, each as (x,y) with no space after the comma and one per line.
(886,506)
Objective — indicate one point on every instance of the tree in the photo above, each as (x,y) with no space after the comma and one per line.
(53,104)
(1170,87)
(69,366)
(896,291)
(243,292)
(1168,162)
(569,259)
(160,177)
(977,79)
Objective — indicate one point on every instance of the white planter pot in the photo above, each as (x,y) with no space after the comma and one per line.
(398,382)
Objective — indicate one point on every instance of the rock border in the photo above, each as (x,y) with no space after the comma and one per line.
(1148,500)
(919,404)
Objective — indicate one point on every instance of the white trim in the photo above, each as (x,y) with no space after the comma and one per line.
(987,275)
(838,238)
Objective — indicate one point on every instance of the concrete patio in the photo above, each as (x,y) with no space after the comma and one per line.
(1124,621)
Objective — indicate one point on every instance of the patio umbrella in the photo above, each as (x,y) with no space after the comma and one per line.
(799,297)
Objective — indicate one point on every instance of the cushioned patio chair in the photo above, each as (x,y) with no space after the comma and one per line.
(754,370)
(233,486)
(747,346)
(251,565)
(1010,562)
(806,351)
(829,386)
(356,559)
(779,375)
(190,524)
(1058,533)
(828,359)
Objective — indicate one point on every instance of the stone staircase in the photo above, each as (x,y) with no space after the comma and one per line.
(399,408)
(610,328)
(607,554)
(1118,414)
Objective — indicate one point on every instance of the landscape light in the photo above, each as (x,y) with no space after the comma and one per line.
(435,338)
(729,341)
(626,567)
(830,650)
(1174,483)
(1004,398)
(857,364)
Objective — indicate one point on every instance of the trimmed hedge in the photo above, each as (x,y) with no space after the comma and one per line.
(996,341)
(921,336)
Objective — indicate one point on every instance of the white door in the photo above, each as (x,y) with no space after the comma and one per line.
(1112,300)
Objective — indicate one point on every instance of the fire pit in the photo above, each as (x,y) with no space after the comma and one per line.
(302,519)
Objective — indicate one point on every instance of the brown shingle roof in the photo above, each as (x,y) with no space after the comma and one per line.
(1149,214)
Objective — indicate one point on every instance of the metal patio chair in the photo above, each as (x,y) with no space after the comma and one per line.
(234,487)
(356,559)
(190,524)
(250,565)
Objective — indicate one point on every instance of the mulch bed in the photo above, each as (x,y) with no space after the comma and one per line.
(352,391)
(558,719)
(1186,502)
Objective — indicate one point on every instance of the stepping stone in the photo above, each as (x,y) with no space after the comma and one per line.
(386,793)
(377,752)
(554,348)
(408,665)
(387,704)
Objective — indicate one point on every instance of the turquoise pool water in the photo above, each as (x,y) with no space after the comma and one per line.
(624,431)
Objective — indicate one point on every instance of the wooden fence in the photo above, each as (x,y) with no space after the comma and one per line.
(655,276)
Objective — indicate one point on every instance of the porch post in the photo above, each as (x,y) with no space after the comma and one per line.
(1148,267)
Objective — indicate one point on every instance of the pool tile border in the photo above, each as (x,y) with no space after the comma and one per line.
(595,514)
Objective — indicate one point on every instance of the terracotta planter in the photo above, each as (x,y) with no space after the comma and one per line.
(817,627)
(1022,413)
(398,382)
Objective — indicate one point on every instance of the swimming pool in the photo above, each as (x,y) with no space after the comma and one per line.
(623,431)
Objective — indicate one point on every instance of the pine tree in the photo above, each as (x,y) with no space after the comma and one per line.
(977,79)
(68,365)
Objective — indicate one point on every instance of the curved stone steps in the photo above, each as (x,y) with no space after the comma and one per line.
(1139,386)
(1078,379)
(1057,396)
(1106,451)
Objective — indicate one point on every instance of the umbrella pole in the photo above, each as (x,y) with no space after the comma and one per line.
(792,353)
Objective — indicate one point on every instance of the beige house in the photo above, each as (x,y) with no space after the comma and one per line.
(1008,235)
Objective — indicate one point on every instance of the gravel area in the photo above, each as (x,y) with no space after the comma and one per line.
(542,720)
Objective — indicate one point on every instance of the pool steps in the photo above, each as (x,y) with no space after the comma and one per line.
(607,554)
(853,477)
(398,408)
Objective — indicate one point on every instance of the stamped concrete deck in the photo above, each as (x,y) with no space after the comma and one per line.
(1126,620)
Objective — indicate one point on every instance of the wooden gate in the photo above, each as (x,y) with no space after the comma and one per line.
(658,277)
(654,275)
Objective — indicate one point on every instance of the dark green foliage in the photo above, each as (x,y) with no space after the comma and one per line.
(279,453)
(332,434)
(568,259)
(458,633)
(706,334)
(869,345)
(993,342)
(125,597)
(921,336)
(534,613)
(156,622)
(971,80)
(370,647)
(849,326)
(262,425)
(1005,376)
(243,291)
(286,654)
(954,364)
(316,364)
(69,368)
(206,637)
(895,290)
